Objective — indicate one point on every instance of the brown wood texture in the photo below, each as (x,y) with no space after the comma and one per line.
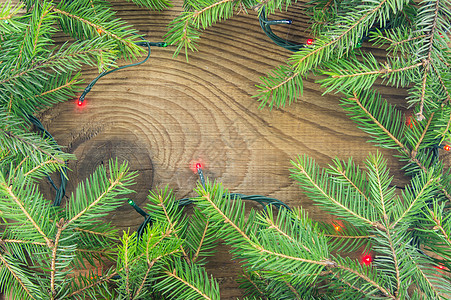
(167,112)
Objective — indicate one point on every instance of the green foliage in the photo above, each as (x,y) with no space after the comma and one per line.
(185,30)
(284,254)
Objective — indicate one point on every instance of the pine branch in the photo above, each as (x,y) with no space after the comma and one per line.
(157,5)
(86,205)
(14,194)
(21,279)
(315,182)
(428,61)
(53,259)
(182,280)
(283,83)
(351,269)
(165,210)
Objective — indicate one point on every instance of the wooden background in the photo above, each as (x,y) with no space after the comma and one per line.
(167,112)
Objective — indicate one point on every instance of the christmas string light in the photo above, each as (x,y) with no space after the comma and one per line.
(266,26)
(88,88)
(61,190)
(147,219)
(264,201)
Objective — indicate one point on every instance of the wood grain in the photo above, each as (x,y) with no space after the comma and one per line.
(163,114)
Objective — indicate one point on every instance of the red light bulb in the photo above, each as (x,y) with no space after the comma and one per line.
(367,259)
(196,164)
(447,147)
(309,41)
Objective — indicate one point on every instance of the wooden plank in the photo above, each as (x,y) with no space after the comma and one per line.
(162,115)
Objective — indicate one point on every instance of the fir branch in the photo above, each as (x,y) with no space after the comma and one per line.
(252,282)
(425,130)
(423,193)
(325,262)
(16,276)
(14,241)
(172,225)
(87,203)
(53,259)
(178,278)
(443,85)
(183,280)
(228,221)
(204,233)
(20,205)
(96,283)
(395,263)
(385,130)
(301,169)
(366,279)
(338,169)
(349,236)
(428,61)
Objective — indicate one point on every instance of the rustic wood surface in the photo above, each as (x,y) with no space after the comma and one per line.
(167,112)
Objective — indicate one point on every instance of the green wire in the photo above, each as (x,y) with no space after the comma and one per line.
(61,190)
(104,73)
(266,26)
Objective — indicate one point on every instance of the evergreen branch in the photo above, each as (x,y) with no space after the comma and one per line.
(31,143)
(420,140)
(178,278)
(227,220)
(22,242)
(153,4)
(349,236)
(41,165)
(293,290)
(442,83)
(385,130)
(272,225)
(54,60)
(86,206)
(89,286)
(339,170)
(423,275)
(123,41)
(367,279)
(172,225)
(67,84)
(183,280)
(379,185)
(196,14)
(53,262)
(146,275)
(382,71)
(439,226)
(310,181)
(22,284)
(326,262)
(204,233)
(256,287)
(111,188)
(19,203)
(125,259)
(279,85)
(305,59)
(423,193)
(395,263)
(428,61)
